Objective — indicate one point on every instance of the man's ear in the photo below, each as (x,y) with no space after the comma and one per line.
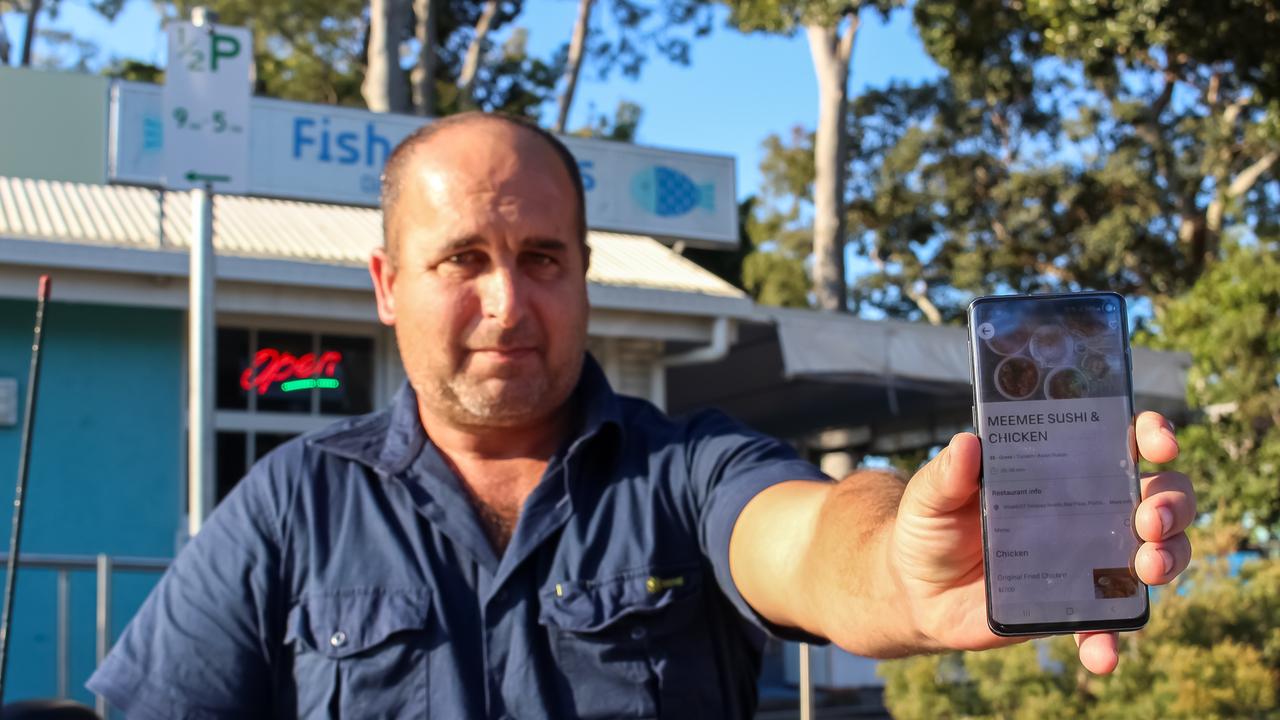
(382,270)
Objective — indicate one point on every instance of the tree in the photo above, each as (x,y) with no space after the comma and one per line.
(426,20)
(1070,145)
(304,50)
(1210,651)
(622,127)
(1133,147)
(499,77)
(780,223)
(831,28)
(1230,321)
(4,39)
(58,40)
(632,31)
(574,63)
(384,88)
(471,63)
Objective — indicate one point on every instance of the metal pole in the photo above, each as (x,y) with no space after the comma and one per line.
(24,461)
(64,633)
(104,623)
(200,365)
(806,684)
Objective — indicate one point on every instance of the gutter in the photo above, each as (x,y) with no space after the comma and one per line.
(714,351)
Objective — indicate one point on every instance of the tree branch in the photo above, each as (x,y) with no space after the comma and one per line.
(1250,175)
(845,49)
(471,65)
(922,301)
(574,66)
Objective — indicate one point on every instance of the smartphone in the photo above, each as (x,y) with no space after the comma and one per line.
(1053,406)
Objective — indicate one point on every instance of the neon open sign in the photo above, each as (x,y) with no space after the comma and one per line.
(303,372)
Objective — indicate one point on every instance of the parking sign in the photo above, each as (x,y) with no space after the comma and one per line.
(206,107)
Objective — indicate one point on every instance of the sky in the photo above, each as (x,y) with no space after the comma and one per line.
(738,89)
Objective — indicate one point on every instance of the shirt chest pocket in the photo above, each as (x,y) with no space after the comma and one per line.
(618,642)
(362,653)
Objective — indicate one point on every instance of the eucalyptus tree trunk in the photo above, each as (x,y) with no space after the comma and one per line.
(29,39)
(4,46)
(384,87)
(471,63)
(423,77)
(831,49)
(576,45)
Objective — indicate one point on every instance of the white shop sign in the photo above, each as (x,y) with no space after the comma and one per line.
(331,154)
(205,107)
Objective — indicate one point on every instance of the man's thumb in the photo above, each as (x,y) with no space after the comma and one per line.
(948,482)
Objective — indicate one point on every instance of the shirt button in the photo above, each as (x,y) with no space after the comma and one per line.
(338,639)
(637,633)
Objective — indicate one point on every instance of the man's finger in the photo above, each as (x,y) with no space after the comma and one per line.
(1156,441)
(1160,562)
(1168,506)
(948,482)
(1098,652)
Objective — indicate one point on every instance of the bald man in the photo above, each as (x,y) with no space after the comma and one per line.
(513,539)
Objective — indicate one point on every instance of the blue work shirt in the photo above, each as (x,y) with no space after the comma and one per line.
(348,576)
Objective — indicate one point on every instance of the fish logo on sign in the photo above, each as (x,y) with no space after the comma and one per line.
(670,193)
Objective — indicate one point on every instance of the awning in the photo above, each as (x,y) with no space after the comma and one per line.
(889,385)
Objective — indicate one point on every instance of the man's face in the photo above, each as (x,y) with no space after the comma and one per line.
(488,293)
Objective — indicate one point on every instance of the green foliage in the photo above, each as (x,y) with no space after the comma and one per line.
(774,278)
(1067,147)
(63,50)
(1230,322)
(305,50)
(785,16)
(134,70)
(778,225)
(510,81)
(624,33)
(771,275)
(1211,650)
(622,127)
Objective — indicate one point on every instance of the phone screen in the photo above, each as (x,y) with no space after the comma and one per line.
(1054,410)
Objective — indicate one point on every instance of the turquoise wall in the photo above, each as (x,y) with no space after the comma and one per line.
(106,472)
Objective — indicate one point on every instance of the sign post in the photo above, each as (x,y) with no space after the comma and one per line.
(206,129)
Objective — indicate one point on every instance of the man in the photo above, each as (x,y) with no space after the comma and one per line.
(511,539)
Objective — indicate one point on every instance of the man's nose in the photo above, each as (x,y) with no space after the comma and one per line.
(501,296)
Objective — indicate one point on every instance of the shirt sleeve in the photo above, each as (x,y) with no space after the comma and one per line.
(200,645)
(729,465)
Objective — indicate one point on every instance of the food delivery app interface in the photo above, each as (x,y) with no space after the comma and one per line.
(1059,479)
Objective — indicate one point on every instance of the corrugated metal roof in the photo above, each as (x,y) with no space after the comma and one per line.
(123,216)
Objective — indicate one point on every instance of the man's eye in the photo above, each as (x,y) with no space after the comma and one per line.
(464,258)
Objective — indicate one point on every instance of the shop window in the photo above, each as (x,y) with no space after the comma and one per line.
(290,372)
(273,385)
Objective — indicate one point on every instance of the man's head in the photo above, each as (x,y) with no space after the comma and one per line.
(394,172)
(484,271)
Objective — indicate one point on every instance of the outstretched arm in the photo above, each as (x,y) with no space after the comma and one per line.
(885,569)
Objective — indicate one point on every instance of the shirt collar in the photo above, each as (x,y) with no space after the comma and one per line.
(389,440)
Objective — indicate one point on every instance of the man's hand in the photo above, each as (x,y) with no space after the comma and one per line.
(935,547)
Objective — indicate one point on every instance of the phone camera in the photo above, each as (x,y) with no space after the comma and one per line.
(1109,307)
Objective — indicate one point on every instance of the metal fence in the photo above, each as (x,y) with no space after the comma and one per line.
(103,567)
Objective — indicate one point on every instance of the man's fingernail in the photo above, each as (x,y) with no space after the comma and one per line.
(1166,521)
(1168,432)
(1167,557)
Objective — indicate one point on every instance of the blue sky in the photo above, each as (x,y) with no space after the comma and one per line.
(738,89)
